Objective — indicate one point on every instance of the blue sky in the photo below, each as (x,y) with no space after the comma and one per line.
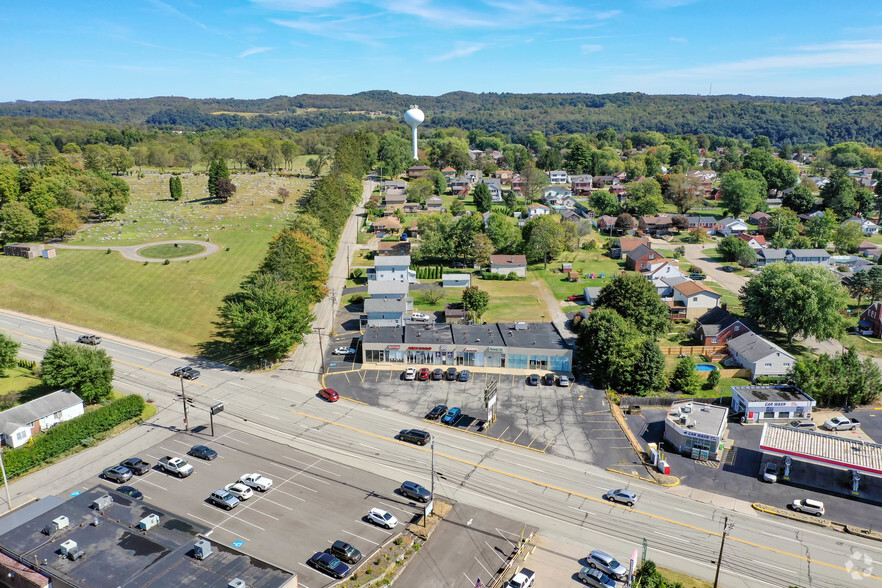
(57,50)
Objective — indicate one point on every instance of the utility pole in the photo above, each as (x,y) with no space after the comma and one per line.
(726,528)
(5,481)
(321,349)
(184,400)
(56,334)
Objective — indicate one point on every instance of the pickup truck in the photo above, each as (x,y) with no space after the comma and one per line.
(523,579)
(841,424)
(176,466)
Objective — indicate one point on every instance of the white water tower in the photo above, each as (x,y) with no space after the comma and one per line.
(414,118)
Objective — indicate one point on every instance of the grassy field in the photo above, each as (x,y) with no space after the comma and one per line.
(171,305)
(584,262)
(20,385)
(686,581)
(171,251)
(509,301)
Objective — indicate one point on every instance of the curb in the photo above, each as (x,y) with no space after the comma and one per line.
(794,516)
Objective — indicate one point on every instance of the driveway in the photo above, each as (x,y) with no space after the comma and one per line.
(131,251)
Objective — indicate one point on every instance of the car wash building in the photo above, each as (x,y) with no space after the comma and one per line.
(771,403)
(696,429)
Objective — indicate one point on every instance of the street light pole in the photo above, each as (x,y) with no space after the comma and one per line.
(321,350)
(726,528)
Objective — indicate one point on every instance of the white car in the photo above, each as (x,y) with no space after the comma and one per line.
(256,481)
(410,374)
(770,474)
(344,351)
(808,506)
(239,490)
(380,517)
(420,317)
(563,381)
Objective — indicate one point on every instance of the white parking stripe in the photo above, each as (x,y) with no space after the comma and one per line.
(279,503)
(310,466)
(493,549)
(218,527)
(360,537)
(485,567)
(301,485)
(373,526)
(279,491)
(395,506)
(152,484)
(233,517)
(263,513)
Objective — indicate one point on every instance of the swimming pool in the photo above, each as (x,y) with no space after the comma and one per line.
(705,367)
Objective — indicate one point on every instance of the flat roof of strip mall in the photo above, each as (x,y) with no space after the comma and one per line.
(825,449)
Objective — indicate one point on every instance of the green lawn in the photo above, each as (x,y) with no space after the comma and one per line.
(20,385)
(170,251)
(584,262)
(360,258)
(171,305)
(509,301)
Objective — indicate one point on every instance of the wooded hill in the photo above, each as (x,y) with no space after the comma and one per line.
(784,120)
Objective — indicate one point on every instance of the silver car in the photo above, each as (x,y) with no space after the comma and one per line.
(622,495)
(607,564)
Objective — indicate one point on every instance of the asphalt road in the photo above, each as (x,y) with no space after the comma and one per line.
(560,497)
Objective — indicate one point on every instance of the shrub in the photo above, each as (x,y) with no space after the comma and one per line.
(357,299)
(108,250)
(166,262)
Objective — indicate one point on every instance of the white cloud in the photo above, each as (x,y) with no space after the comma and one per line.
(337,29)
(607,14)
(299,5)
(679,39)
(461,50)
(589,48)
(447,16)
(254,51)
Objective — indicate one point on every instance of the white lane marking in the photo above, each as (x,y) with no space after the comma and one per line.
(520,465)
(359,536)
(310,465)
(369,446)
(779,536)
(672,536)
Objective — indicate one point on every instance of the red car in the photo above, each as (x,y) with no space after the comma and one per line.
(424,374)
(329,394)
(576,297)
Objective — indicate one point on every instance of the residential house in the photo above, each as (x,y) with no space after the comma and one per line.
(506,264)
(474,176)
(815,256)
(387,312)
(558,196)
(393,186)
(414,230)
(756,242)
(627,245)
(474,154)
(665,286)
(868,249)
(666,268)
(537,209)
(435,204)
(504,174)
(581,184)
(20,423)
(871,319)
(704,222)
(394,198)
(393,248)
(417,171)
(606,223)
(655,225)
(729,226)
(760,356)
(495,187)
(600,181)
(717,326)
(394,268)
(459,185)
(767,256)
(591,293)
(448,172)
(412,208)
(558,176)
(570,216)
(517,184)
(868,227)
(695,297)
(642,257)
(762,220)
(456,280)
(387,225)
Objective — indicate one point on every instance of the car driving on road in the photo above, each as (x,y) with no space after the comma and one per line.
(186,372)
(622,495)
(415,436)
(89,339)
(329,394)
(808,506)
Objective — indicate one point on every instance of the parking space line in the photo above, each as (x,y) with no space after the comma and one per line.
(234,517)
(395,506)
(502,533)
(482,565)
(359,536)
(548,444)
(494,551)
(503,433)
(530,444)
(347,377)
(277,490)
(279,503)
(152,483)
(373,526)
(300,485)
(216,526)
(308,466)
(518,437)
(263,513)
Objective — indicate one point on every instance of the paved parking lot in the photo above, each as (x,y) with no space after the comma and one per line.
(312,501)
(572,422)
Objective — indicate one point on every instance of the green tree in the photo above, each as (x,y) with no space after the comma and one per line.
(504,233)
(803,300)
(678,190)
(625,222)
(217,170)
(848,236)
(784,222)
(475,300)
(481,249)
(685,378)
(9,183)
(394,153)
(800,199)
(510,198)
(875,278)
(224,189)
(821,228)
(439,182)
(175,189)
(534,181)
(481,197)
(420,190)
(544,239)
(838,380)
(317,164)
(731,247)
(840,194)
(456,207)
(713,379)
(86,371)
(298,260)
(432,295)
(289,150)
(780,175)
(637,301)
(18,223)
(8,353)
(60,222)
(604,202)
(859,286)
(645,198)
(549,159)
(741,195)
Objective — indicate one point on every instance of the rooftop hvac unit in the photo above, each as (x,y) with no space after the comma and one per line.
(683,419)
(149,522)
(237,583)
(202,549)
(71,550)
(61,522)
(102,502)
(686,409)
(521,326)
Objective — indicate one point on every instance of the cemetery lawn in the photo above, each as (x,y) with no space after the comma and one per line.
(174,305)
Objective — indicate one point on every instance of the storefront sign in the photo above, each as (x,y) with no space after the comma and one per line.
(393,346)
(470,350)
(420,348)
(497,349)
(695,435)
(775,404)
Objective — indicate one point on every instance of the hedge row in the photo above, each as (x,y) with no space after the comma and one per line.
(510,276)
(65,436)
(429,273)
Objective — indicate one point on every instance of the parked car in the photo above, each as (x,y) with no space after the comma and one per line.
(202,452)
(330,565)
(451,373)
(465,375)
(138,466)
(186,372)
(808,506)
(563,381)
(329,394)
(548,379)
(458,265)
(452,416)
(89,339)
(438,374)
(423,375)
(622,495)
(804,425)
(415,436)
(436,413)
(223,499)
(256,481)
(727,268)
(770,473)
(415,491)
(239,490)
(576,298)
(596,578)
(131,492)
(118,474)
(380,517)
(841,424)
(607,564)
(533,379)
(697,277)
(420,317)
(344,351)
(410,374)
(344,552)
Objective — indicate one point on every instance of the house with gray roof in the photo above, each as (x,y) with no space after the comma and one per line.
(717,326)
(767,256)
(760,356)
(495,187)
(395,268)
(386,312)
(815,256)
(19,423)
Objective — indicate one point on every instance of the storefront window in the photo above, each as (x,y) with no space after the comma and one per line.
(538,362)
(559,364)
(518,362)
(769,414)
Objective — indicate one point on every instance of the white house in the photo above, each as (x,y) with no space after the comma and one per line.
(387,312)
(760,356)
(495,187)
(731,226)
(19,423)
(558,176)
(456,280)
(695,297)
(393,268)
(506,264)
(867,226)
(538,209)
(387,289)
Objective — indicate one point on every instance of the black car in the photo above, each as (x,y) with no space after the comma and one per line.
(118,474)
(415,491)
(533,379)
(327,563)
(697,276)
(186,372)
(458,265)
(548,379)
(138,466)
(728,269)
(464,375)
(202,452)
(451,374)
(415,436)
(437,412)
(344,552)
(130,491)
(438,374)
